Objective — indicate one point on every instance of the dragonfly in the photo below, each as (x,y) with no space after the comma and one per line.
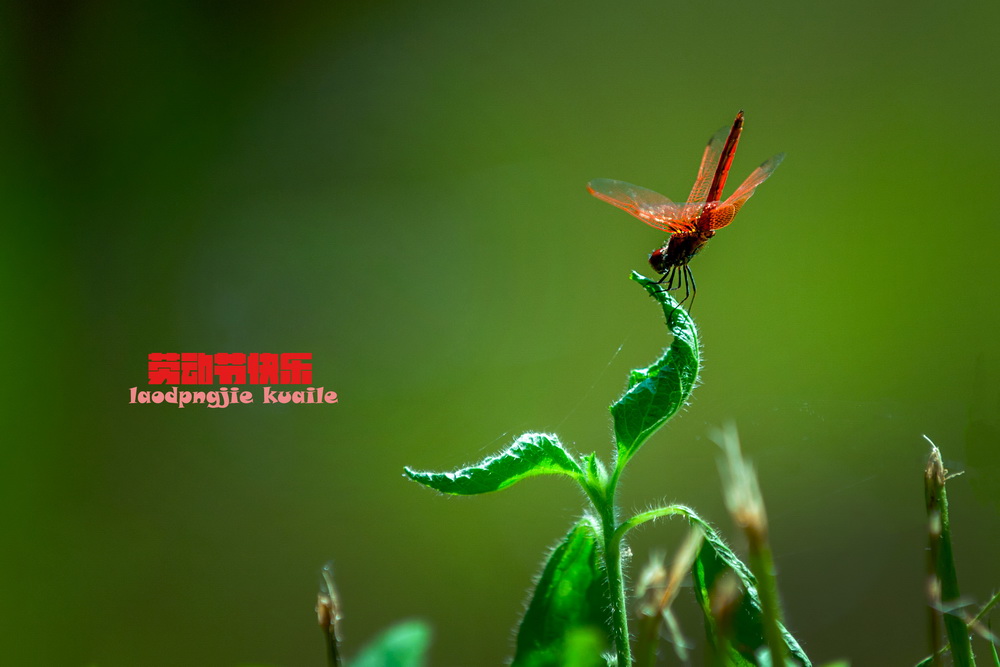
(692,223)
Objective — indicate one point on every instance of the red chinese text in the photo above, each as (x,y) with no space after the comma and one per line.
(230,368)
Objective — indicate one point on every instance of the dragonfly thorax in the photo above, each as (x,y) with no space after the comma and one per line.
(678,251)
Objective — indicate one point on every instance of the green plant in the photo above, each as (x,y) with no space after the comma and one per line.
(567,621)
(946,607)
(578,609)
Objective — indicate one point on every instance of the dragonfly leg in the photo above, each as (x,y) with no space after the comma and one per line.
(691,286)
(669,277)
(684,278)
(675,279)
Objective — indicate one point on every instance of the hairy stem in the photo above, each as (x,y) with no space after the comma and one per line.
(604,504)
(616,584)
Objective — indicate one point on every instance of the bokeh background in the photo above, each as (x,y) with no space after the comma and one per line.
(398,188)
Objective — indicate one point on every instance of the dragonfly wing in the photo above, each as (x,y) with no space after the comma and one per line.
(651,207)
(724,213)
(709,163)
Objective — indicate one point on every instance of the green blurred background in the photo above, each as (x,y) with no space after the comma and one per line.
(398,188)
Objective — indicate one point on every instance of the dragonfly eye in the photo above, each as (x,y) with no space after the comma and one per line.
(658,260)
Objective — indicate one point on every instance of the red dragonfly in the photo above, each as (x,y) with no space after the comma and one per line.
(693,223)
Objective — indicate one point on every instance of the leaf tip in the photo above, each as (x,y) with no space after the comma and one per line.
(410,473)
(638,277)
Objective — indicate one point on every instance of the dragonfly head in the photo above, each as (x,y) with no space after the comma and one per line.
(660,260)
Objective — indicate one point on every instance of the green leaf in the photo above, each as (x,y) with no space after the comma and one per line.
(531,454)
(594,470)
(569,609)
(583,649)
(403,645)
(745,641)
(655,394)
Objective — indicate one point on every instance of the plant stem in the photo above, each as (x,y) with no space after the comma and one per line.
(603,500)
(947,590)
(986,609)
(616,586)
(613,536)
(333,654)
(971,624)
(669,510)
(616,583)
